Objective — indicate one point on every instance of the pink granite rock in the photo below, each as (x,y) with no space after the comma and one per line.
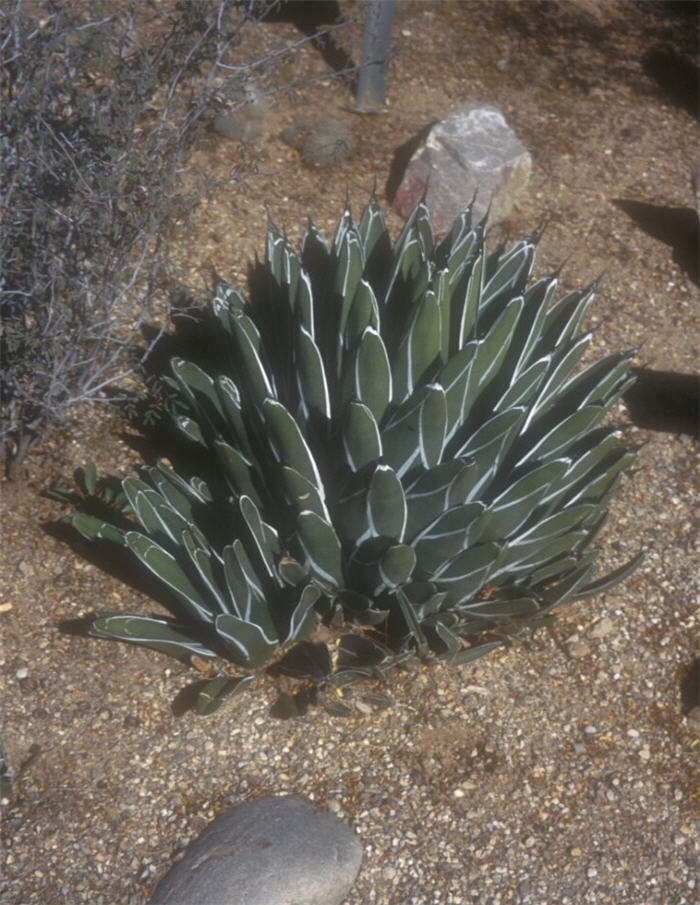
(471,150)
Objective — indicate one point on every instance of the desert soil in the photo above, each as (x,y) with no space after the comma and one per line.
(562,770)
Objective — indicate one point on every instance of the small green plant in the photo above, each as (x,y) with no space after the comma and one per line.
(403,449)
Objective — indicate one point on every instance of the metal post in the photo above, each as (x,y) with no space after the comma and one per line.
(371,88)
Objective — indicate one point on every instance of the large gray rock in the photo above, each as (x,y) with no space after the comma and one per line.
(273,851)
(471,150)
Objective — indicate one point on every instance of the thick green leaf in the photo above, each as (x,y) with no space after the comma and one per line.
(372,380)
(446,536)
(454,379)
(288,444)
(92,527)
(304,618)
(419,348)
(612,578)
(525,386)
(361,441)
(563,365)
(513,272)
(165,567)
(247,340)
(300,492)
(396,565)
(311,375)
(512,508)
(321,548)
(90,478)
(491,352)
(434,491)
(265,541)
(432,425)
(467,572)
(239,471)
(556,441)
(246,643)
(386,504)
(164,635)
(202,560)
(190,429)
(412,623)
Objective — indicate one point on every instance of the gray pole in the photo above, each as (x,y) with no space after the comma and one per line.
(371,88)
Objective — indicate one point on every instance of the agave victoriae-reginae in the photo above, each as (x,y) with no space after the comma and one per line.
(408,452)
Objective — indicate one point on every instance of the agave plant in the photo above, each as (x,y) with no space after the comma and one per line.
(407,451)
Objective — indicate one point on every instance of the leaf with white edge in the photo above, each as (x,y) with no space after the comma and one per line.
(467,312)
(563,365)
(230,398)
(445,537)
(247,338)
(291,571)
(412,623)
(537,300)
(512,508)
(304,618)
(432,425)
(92,527)
(196,383)
(267,554)
(164,635)
(372,227)
(491,352)
(304,304)
(451,641)
(361,441)
(190,429)
(564,435)
(612,578)
(238,470)
(436,490)
(500,610)
(386,504)
(596,489)
(564,318)
(400,434)
(530,563)
(363,313)
(288,444)
(454,378)
(90,478)
(302,493)
(321,548)
(165,567)
(419,348)
(396,565)
(523,389)
(512,274)
(246,643)
(462,658)
(467,572)
(490,442)
(372,379)
(202,561)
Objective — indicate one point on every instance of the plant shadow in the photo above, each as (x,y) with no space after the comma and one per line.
(677,227)
(665,401)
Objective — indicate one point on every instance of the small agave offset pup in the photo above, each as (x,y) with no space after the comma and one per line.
(410,463)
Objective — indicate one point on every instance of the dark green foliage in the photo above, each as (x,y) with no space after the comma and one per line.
(402,448)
